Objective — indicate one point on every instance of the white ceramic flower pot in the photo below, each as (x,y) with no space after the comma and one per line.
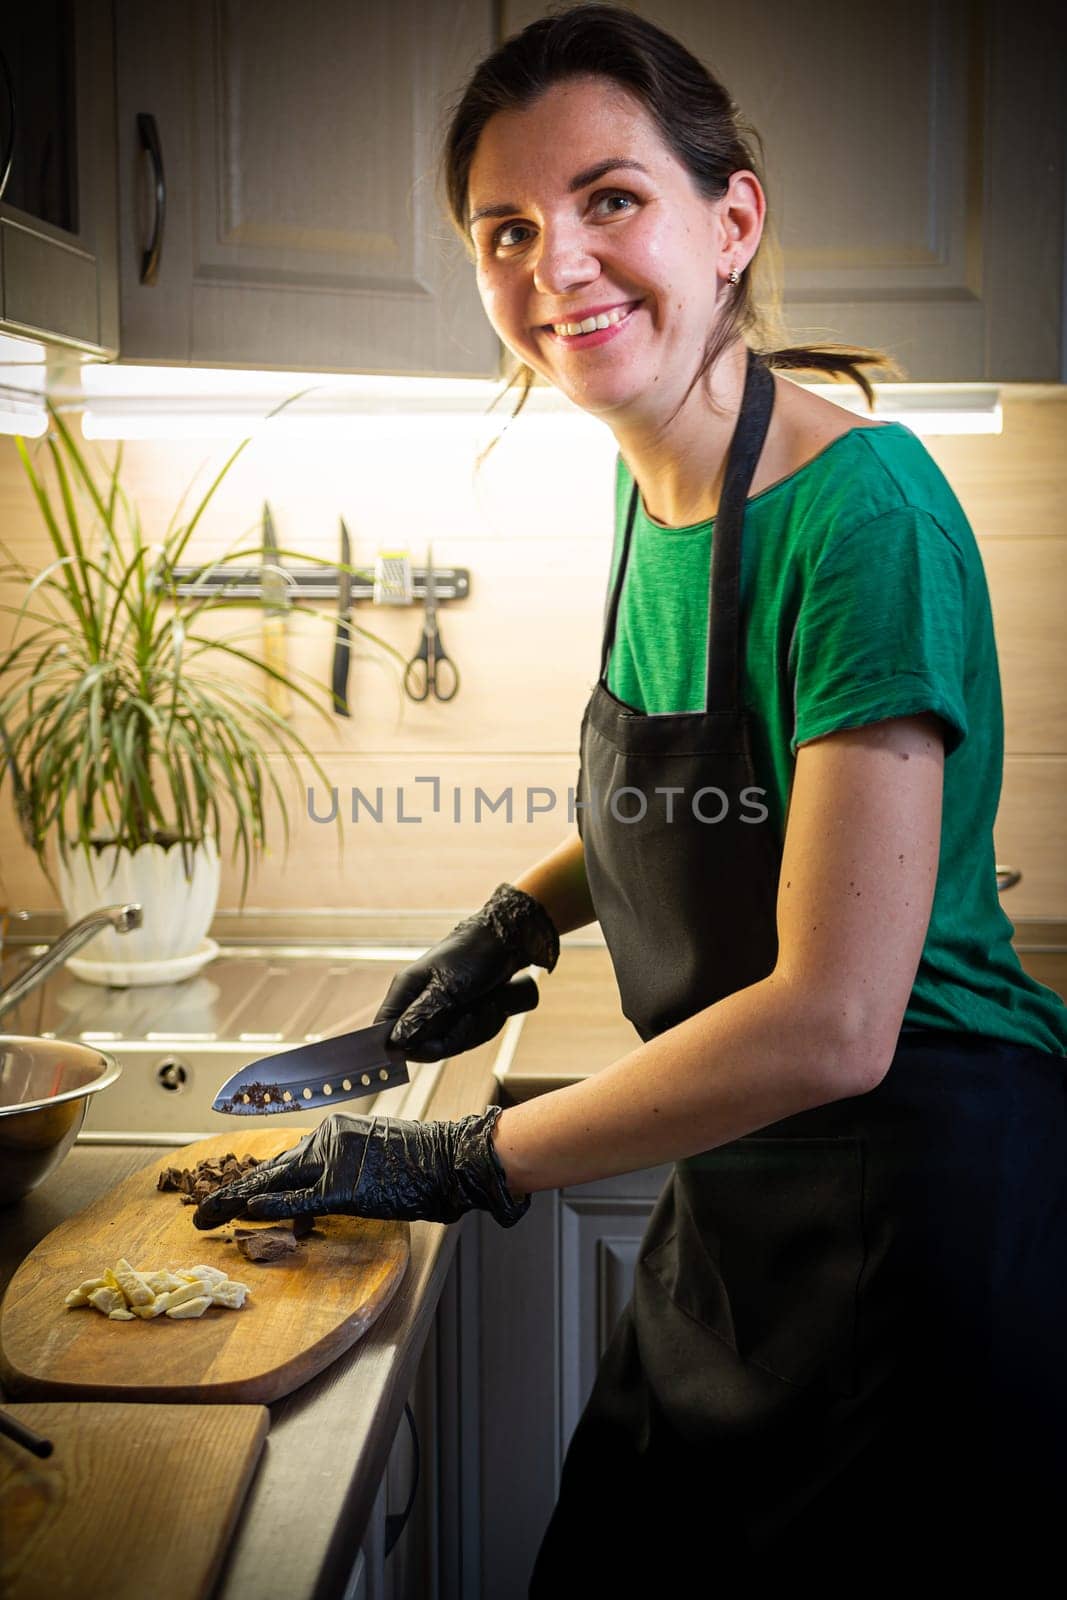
(177,909)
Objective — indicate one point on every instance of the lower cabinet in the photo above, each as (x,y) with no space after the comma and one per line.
(547,1296)
(523,1319)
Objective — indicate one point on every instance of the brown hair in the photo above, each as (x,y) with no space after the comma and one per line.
(699,123)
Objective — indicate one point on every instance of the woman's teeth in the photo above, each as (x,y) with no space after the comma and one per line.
(606,319)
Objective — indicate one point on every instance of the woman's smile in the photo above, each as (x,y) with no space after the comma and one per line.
(593,328)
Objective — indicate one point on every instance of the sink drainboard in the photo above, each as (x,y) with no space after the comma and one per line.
(177,1043)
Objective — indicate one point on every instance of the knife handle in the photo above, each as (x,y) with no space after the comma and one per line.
(521,994)
(274,655)
(342,651)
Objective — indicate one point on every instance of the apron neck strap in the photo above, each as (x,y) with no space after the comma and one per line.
(725,642)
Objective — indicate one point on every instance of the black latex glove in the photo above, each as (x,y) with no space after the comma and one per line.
(376,1167)
(444,1003)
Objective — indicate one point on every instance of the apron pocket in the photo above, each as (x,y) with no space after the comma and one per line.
(766,1251)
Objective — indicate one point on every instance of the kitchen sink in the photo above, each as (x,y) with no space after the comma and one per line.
(165,1092)
(177,1043)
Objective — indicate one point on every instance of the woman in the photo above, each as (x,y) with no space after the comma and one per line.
(846,1332)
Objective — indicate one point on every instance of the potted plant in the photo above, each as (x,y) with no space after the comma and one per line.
(129,750)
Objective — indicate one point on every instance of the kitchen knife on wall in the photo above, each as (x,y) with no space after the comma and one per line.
(342,646)
(276,603)
(348,1067)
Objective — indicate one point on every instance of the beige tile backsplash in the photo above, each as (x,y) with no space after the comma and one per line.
(535,531)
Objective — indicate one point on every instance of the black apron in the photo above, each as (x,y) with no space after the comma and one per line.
(843,1327)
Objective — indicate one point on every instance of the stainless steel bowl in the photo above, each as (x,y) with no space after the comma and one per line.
(45,1086)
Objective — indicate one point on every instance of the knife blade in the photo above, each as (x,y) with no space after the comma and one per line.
(342,646)
(349,1066)
(275,591)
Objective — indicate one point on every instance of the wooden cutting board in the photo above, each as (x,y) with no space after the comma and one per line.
(135,1500)
(302,1312)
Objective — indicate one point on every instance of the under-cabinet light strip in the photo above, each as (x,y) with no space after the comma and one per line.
(180,402)
(190,423)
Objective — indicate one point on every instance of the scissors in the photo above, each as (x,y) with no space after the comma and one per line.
(423,675)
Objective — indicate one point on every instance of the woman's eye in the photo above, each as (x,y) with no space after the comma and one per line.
(615,194)
(501,236)
(505,236)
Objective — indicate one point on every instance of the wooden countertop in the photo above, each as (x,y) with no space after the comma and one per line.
(312,1496)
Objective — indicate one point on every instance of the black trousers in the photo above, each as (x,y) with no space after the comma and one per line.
(861,1380)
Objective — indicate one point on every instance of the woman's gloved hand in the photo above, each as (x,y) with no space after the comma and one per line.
(445,1003)
(376,1167)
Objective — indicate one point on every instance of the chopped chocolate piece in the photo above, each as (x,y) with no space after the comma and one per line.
(196,1183)
(264,1244)
(302,1225)
(187,1199)
(260,1094)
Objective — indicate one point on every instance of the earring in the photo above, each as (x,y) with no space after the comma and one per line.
(733,276)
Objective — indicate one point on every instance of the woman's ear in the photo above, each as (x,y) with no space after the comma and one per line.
(742,210)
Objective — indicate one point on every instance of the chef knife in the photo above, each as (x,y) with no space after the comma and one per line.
(342,647)
(275,591)
(348,1067)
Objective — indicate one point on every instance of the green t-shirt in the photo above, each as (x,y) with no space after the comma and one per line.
(865,598)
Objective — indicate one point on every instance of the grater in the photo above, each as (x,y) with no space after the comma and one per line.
(392,578)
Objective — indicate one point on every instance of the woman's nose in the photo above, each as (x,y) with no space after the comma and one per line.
(564,262)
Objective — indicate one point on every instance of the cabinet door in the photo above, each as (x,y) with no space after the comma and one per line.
(303,227)
(914,166)
(58,272)
(544,1303)
(599,1241)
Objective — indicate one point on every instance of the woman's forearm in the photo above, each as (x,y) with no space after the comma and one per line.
(761,1054)
(558,883)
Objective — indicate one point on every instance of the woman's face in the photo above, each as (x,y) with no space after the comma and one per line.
(592,215)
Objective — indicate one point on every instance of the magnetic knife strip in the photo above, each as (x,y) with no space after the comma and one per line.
(314,583)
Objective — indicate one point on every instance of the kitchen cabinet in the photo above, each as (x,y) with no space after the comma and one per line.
(915,170)
(58,263)
(277,170)
(522,1320)
(535,1308)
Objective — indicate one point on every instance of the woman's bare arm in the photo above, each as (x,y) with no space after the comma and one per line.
(558,882)
(855,893)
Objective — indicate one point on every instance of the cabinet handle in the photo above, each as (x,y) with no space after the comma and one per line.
(395,1525)
(149,135)
(1007,878)
(9,153)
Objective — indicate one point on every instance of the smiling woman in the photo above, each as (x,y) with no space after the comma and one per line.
(834,987)
(844,1343)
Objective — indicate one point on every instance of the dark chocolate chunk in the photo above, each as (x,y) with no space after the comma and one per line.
(196,1183)
(260,1094)
(264,1244)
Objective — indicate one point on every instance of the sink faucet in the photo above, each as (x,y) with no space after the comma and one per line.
(121,918)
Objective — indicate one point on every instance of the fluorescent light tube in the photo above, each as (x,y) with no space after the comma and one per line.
(925,408)
(196,402)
